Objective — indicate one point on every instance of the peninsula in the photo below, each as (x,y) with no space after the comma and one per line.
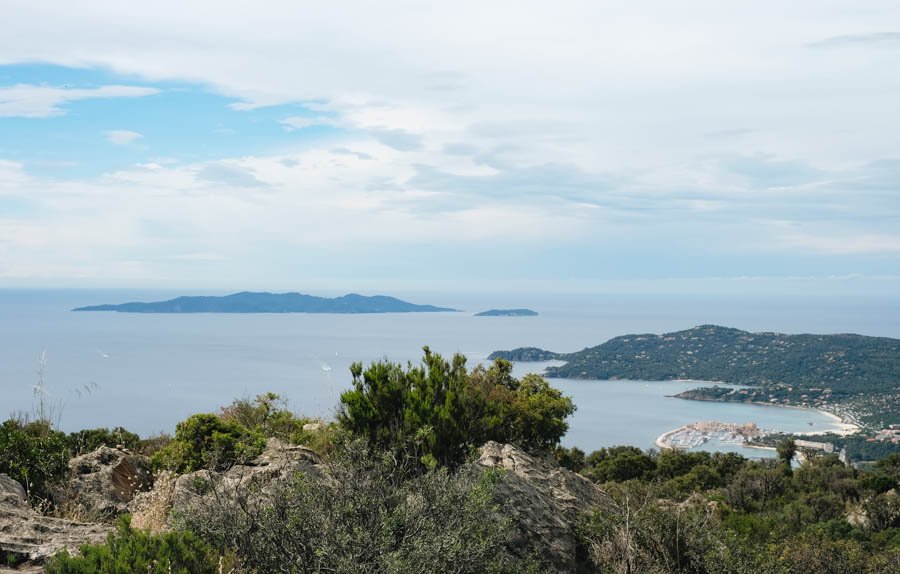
(507,313)
(263,302)
(853,375)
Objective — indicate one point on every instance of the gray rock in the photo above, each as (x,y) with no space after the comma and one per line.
(28,536)
(177,496)
(544,500)
(103,482)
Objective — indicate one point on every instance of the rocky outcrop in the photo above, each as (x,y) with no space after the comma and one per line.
(544,501)
(26,536)
(102,483)
(173,495)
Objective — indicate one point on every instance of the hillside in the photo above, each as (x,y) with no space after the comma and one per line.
(248,302)
(793,369)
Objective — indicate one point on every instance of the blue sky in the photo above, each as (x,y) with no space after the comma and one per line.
(293,146)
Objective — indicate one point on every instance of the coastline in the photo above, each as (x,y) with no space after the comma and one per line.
(845,427)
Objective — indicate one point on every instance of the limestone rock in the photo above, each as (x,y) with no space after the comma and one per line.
(28,536)
(103,482)
(544,499)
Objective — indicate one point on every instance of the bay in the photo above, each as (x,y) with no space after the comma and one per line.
(147,372)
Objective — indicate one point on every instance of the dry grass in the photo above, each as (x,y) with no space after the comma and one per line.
(150,510)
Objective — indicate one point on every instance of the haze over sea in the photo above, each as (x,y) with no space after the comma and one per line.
(148,371)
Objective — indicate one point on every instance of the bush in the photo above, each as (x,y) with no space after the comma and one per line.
(33,454)
(85,441)
(366,516)
(267,415)
(207,441)
(128,550)
(437,412)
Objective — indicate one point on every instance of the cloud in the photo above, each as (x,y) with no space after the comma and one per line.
(868,39)
(350,152)
(229,175)
(123,137)
(302,122)
(626,134)
(400,140)
(30,101)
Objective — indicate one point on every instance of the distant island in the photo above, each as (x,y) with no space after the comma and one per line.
(507,313)
(853,375)
(263,302)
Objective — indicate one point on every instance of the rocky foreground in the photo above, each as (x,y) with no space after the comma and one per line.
(541,497)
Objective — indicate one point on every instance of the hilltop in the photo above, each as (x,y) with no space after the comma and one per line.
(264,302)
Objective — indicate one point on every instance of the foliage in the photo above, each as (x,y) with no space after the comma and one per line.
(129,550)
(33,454)
(437,412)
(708,513)
(369,515)
(571,458)
(207,441)
(89,440)
(267,415)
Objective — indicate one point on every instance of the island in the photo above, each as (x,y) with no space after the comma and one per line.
(264,302)
(853,376)
(507,313)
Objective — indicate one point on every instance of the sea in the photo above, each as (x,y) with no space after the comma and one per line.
(146,372)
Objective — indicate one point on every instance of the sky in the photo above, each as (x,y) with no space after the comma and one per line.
(363,145)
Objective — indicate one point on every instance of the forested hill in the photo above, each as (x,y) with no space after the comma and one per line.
(248,302)
(845,363)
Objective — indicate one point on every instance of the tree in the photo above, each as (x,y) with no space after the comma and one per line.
(437,411)
(786,450)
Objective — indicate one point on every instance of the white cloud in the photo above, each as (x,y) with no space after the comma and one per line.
(122,137)
(502,121)
(30,101)
(301,122)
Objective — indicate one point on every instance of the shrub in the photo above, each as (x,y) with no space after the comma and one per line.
(90,440)
(267,415)
(207,441)
(437,412)
(33,454)
(130,550)
(367,515)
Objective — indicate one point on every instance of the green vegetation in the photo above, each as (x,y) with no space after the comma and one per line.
(811,370)
(129,550)
(708,513)
(393,495)
(89,440)
(857,448)
(437,412)
(207,441)
(373,516)
(33,454)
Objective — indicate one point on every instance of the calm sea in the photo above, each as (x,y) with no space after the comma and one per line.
(147,372)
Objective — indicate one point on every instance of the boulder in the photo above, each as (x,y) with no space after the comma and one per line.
(544,501)
(102,483)
(26,536)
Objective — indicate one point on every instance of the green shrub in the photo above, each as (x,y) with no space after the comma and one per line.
(437,412)
(89,440)
(207,441)
(33,454)
(129,550)
(268,415)
(367,516)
